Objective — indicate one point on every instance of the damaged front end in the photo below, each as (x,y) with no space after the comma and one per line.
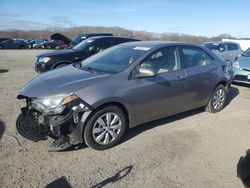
(58,117)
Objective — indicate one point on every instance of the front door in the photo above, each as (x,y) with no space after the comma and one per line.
(162,95)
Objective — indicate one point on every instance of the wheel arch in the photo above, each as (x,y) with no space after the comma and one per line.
(67,62)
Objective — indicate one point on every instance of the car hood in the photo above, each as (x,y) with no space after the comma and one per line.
(244,62)
(58,36)
(66,80)
(57,52)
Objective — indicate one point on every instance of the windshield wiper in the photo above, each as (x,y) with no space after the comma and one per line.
(89,69)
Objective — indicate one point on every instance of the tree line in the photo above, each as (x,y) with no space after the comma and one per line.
(118,31)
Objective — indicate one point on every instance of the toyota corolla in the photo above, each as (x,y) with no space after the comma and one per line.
(97,100)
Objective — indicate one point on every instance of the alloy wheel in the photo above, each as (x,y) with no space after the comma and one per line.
(218,99)
(107,128)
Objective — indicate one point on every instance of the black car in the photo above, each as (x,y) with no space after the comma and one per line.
(58,58)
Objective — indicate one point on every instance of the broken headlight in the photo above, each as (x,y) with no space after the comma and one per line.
(53,105)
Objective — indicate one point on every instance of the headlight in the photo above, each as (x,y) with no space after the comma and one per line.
(53,105)
(236,64)
(44,59)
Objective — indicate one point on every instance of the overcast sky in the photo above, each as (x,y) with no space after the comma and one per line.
(196,17)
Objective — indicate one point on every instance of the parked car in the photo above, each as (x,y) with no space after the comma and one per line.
(241,68)
(229,51)
(52,44)
(59,58)
(13,44)
(38,43)
(96,100)
(69,43)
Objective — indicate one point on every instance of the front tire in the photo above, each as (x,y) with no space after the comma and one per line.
(105,128)
(217,100)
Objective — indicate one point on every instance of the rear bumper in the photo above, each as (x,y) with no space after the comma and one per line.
(241,76)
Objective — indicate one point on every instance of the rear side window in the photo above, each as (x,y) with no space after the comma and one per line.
(193,57)
(233,47)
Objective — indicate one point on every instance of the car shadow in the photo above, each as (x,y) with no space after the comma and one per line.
(60,182)
(2,128)
(3,70)
(232,93)
(117,177)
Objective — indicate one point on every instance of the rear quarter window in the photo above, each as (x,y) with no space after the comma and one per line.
(194,56)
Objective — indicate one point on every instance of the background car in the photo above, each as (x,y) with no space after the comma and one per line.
(229,51)
(241,68)
(38,43)
(52,44)
(69,43)
(59,58)
(13,44)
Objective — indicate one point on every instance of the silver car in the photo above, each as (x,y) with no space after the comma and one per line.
(229,51)
(241,68)
(97,100)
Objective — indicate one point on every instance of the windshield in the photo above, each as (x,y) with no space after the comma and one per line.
(114,60)
(78,38)
(247,53)
(82,45)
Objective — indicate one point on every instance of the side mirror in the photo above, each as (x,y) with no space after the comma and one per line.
(221,49)
(145,72)
(91,49)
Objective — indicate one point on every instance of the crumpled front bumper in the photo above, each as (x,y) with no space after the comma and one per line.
(68,124)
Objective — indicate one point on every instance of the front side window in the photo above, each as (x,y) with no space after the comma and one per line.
(163,60)
(195,57)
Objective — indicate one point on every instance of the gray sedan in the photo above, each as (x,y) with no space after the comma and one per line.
(97,100)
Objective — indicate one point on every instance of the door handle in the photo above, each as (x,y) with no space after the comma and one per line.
(180,78)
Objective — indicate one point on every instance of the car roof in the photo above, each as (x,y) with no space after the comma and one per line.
(153,44)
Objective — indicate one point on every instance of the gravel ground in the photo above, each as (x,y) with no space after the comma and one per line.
(192,149)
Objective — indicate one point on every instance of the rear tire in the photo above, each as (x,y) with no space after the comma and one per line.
(105,128)
(217,100)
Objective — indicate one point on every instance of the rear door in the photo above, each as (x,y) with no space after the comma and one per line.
(201,75)
(161,95)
